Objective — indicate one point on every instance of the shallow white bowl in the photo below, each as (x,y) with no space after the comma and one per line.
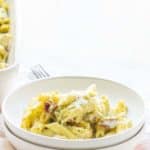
(22,144)
(15,104)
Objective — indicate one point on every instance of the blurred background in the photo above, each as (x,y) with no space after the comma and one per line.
(104,28)
(103,38)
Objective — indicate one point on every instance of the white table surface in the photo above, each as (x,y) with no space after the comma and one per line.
(104,28)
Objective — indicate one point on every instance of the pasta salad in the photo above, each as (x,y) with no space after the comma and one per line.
(75,115)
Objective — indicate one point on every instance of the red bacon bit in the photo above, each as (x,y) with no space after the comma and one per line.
(50,107)
(46,107)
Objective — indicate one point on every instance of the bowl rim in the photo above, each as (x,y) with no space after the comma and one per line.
(11,66)
(139,123)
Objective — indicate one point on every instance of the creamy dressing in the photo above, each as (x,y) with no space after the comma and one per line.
(80,102)
(3,13)
(112,123)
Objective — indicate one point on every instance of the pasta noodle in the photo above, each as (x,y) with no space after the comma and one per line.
(75,115)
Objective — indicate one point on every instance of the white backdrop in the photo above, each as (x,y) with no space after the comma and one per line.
(111,29)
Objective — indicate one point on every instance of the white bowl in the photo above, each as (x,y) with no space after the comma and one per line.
(22,144)
(8,75)
(15,104)
(7,80)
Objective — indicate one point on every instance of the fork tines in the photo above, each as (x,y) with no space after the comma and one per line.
(39,71)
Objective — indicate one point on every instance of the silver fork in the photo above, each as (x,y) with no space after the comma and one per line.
(39,72)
